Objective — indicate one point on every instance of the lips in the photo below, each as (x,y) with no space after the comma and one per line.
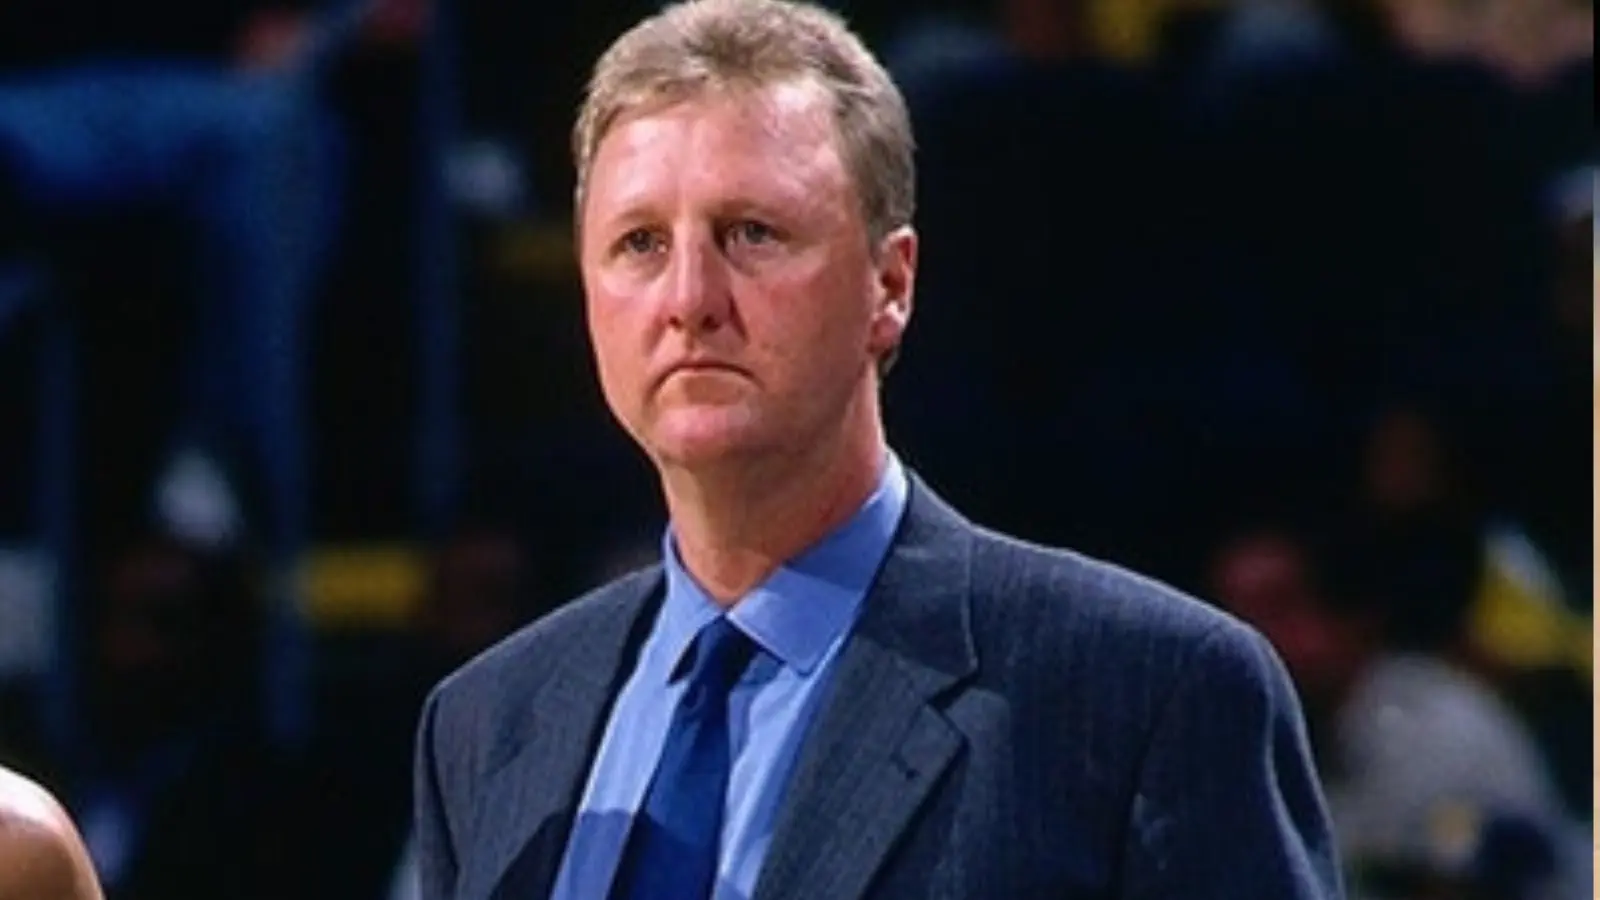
(703,365)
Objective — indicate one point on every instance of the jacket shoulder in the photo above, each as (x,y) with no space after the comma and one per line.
(1015,576)
(1066,611)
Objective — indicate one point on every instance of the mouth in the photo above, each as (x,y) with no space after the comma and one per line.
(703,367)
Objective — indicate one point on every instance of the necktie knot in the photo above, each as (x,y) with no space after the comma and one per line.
(717,658)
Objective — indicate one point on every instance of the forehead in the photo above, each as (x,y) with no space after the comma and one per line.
(775,142)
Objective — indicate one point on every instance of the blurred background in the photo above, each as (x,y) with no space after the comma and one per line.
(1287,302)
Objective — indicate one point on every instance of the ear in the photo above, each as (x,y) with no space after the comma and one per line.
(896,283)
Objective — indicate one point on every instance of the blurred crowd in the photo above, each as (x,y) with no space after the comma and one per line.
(1287,302)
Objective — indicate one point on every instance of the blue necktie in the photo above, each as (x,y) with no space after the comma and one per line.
(672,848)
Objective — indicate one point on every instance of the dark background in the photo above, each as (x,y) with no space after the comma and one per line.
(1191,270)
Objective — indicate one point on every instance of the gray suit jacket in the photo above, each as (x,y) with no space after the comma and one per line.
(1005,722)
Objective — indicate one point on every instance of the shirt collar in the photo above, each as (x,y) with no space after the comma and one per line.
(800,610)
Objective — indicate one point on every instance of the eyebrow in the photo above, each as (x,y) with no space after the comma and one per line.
(742,207)
(629,216)
(641,211)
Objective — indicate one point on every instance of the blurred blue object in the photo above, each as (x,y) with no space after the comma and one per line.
(1516,858)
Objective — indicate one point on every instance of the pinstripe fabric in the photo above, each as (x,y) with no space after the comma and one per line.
(1007,721)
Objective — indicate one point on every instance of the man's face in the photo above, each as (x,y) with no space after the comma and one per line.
(734,302)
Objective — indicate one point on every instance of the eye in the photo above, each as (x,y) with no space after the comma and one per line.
(639,242)
(752,233)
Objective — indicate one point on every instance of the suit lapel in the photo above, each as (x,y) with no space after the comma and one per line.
(530,800)
(878,746)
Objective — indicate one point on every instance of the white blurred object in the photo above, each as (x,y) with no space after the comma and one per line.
(1417,736)
(195,503)
(486,178)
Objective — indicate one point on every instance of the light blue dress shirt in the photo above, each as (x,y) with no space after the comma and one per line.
(798,618)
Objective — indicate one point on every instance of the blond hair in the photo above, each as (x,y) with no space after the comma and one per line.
(699,45)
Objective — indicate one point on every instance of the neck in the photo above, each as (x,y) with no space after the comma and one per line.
(735,526)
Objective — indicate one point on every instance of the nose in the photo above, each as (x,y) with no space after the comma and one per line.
(698,298)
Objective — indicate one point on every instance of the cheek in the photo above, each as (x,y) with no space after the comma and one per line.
(815,321)
(615,356)
(799,346)
(612,325)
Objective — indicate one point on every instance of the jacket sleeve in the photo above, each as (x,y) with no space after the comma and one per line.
(1228,803)
(435,847)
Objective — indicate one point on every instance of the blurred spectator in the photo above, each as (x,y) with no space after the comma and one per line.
(1520,626)
(1527,41)
(1437,29)
(205,113)
(1415,481)
(482,585)
(1417,754)
(177,792)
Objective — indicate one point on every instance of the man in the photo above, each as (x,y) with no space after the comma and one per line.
(1428,773)
(834,686)
(41,855)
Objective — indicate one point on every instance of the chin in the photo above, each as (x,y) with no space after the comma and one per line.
(699,437)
